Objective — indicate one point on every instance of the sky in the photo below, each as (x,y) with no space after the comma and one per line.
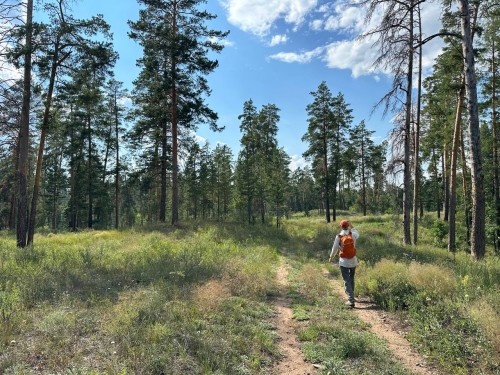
(278,52)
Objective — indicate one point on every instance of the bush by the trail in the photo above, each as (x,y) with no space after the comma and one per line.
(433,279)
(394,285)
(387,283)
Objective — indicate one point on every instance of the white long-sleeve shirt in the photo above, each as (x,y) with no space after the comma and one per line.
(345,262)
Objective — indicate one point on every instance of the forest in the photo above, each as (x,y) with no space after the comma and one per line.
(74,155)
(129,247)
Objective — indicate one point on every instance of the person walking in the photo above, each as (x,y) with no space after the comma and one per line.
(345,246)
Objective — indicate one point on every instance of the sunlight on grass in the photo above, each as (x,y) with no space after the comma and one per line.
(199,299)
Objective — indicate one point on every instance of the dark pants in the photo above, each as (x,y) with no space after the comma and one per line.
(348,276)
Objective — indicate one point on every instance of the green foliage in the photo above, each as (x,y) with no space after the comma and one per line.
(388,283)
(441,329)
(9,300)
(190,301)
(197,300)
(439,231)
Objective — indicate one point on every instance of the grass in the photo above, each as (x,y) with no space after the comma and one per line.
(450,302)
(199,300)
(330,334)
(187,301)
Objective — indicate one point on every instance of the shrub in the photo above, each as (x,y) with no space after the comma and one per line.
(433,279)
(485,315)
(447,335)
(439,231)
(388,284)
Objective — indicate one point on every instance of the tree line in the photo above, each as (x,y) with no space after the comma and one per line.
(77,150)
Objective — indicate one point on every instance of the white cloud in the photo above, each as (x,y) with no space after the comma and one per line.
(298,161)
(316,25)
(258,16)
(224,42)
(278,39)
(301,57)
(339,17)
(359,55)
(346,18)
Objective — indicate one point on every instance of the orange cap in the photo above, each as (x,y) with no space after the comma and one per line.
(344,223)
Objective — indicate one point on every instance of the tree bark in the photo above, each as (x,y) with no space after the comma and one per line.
(407,169)
(453,171)
(446,184)
(90,188)
(496,161)
(416,157)
(41,146)
(478,245)
(24,132)
(175,167)
(117,169)
(163,174)
(465,186)
(325,175)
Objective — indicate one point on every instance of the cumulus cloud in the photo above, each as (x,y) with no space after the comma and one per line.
(298,57)
(316,25)
(298,161)
(344,19)
(356,54)
(278,39)
(258,16)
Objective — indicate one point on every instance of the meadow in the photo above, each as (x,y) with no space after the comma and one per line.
(199,300)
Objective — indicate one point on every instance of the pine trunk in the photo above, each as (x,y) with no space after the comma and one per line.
(416,157)
(453,171)
(407,147)
(478,245)
(325,175)
(41,146)
(24,132)
(446,184)
(117,169)
(175,167)
(496,161)
(90,188)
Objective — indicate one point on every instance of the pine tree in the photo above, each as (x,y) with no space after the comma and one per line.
(65,45)
(176,44)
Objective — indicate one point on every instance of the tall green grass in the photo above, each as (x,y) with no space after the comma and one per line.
(450,301)
(127,302)
(198,300)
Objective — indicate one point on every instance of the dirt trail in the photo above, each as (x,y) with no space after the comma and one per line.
(383,326)
(380,323)
(292,362)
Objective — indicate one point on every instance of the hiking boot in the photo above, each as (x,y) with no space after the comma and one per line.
(350,304)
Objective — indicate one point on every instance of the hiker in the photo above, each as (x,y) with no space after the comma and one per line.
(345,241)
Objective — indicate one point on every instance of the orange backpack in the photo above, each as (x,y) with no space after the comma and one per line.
(347,249)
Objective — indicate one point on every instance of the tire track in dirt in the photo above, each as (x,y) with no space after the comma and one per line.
(292,362)
(383,327)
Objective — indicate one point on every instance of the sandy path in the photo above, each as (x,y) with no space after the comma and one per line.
(292,362)
(385,328)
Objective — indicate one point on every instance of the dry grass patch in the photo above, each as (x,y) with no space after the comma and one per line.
(433,279)
(211,294)
(488,319)
(313,285)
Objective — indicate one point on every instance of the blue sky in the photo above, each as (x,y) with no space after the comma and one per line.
(278,51)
